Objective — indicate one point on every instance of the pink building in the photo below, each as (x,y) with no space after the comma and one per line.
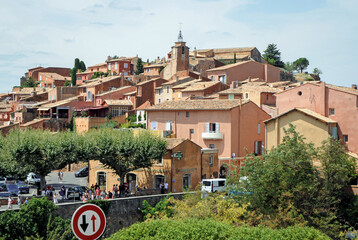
(231,126)
(334,102)
(243,70)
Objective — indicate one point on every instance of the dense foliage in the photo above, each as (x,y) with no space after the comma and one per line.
(273,55)
(35,221)
(139,67)
(123,152)
(287,188)
(78,65)
(210,229)
(30,82)
(301,64)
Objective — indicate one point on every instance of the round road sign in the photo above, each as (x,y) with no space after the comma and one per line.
(88,222)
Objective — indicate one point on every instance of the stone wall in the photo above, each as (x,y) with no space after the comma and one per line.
(123,212)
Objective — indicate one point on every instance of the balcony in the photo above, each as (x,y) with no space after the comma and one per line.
(212,135)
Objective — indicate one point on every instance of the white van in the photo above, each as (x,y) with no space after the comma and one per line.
(213,185)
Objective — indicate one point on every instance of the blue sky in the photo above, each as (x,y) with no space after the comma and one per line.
(54,33)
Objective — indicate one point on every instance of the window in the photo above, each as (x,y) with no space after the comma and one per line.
(191,131)
(212,127)
(221,183)
(212,78)
(222,79)
(231,96)
(40,77)
(168,126)
(211,160)
(126,65)
(186,181)
(246,95)
(331,111)
(158,179)
(211,145)
(116,65)
(345,138)
(258,128)
(179,113)
(118,111)
(187,114)
(266,97)
(139,91)
(334,133)
(109,66)
(182,50)
(179,95)
(167,89)
(159,91)
(258,147)
(159,100)
(153,125)
(147,70)
(160,161)
(299,93)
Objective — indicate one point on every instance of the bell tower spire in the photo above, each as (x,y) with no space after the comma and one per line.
(180,36)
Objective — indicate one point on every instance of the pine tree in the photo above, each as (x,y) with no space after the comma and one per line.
(139,67)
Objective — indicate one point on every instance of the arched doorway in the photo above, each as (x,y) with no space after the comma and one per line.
(223,171)
(186,181)
(158,179)
(132,182)
(102,180)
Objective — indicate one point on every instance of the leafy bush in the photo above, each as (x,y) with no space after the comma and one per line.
(34,220)
(160,210)
(210,229)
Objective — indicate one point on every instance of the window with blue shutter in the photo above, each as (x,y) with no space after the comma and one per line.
(334,133)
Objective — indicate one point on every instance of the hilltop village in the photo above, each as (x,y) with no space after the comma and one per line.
(213,106)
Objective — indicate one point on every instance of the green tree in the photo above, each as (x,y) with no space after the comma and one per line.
(40,151)
(289,66)
(82,66)
(273,55)
(283,176)
(123,152)
(35,221)
(30,82)
(139,67)
(67,83)
(301,64)
(317,71)
(234,57)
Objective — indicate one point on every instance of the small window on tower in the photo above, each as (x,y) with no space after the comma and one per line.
(182,50)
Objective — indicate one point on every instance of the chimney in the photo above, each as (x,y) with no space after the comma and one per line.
(354,86)
(108,58)
(266,72)
(195,52)
(101,76)
(176,77)
(249,79)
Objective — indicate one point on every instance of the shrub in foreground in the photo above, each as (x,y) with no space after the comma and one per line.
(210,229)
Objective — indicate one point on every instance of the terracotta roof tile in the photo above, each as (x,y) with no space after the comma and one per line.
(198,86)
(112,102)
(198,105)
(56,76)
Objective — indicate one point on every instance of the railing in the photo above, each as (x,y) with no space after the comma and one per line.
(212,135)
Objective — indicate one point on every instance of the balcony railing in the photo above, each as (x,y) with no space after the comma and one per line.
(212,135)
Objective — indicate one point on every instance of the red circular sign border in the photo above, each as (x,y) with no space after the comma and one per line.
(79,212)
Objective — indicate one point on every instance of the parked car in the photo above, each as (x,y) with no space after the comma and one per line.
(213,185)
(76,192)
(10,188)
(83,172)
(2,180)
(32,178)
(23,188)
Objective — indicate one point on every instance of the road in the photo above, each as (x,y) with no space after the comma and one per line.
(68,180)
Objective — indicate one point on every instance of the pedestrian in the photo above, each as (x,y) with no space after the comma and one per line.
(19,199)
(55,201)
(92,196)
(103,194)
(166,187)
(96,186)
(161,186)
(10,202)
(98,193)
(27,200)
(113,191)
(63,192)
(92,188)
(116,190)
(110,194)
(59,176)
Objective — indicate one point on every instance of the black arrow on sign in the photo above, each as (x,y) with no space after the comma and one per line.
(84,224)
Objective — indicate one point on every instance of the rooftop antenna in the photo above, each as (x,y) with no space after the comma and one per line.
(180,36)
